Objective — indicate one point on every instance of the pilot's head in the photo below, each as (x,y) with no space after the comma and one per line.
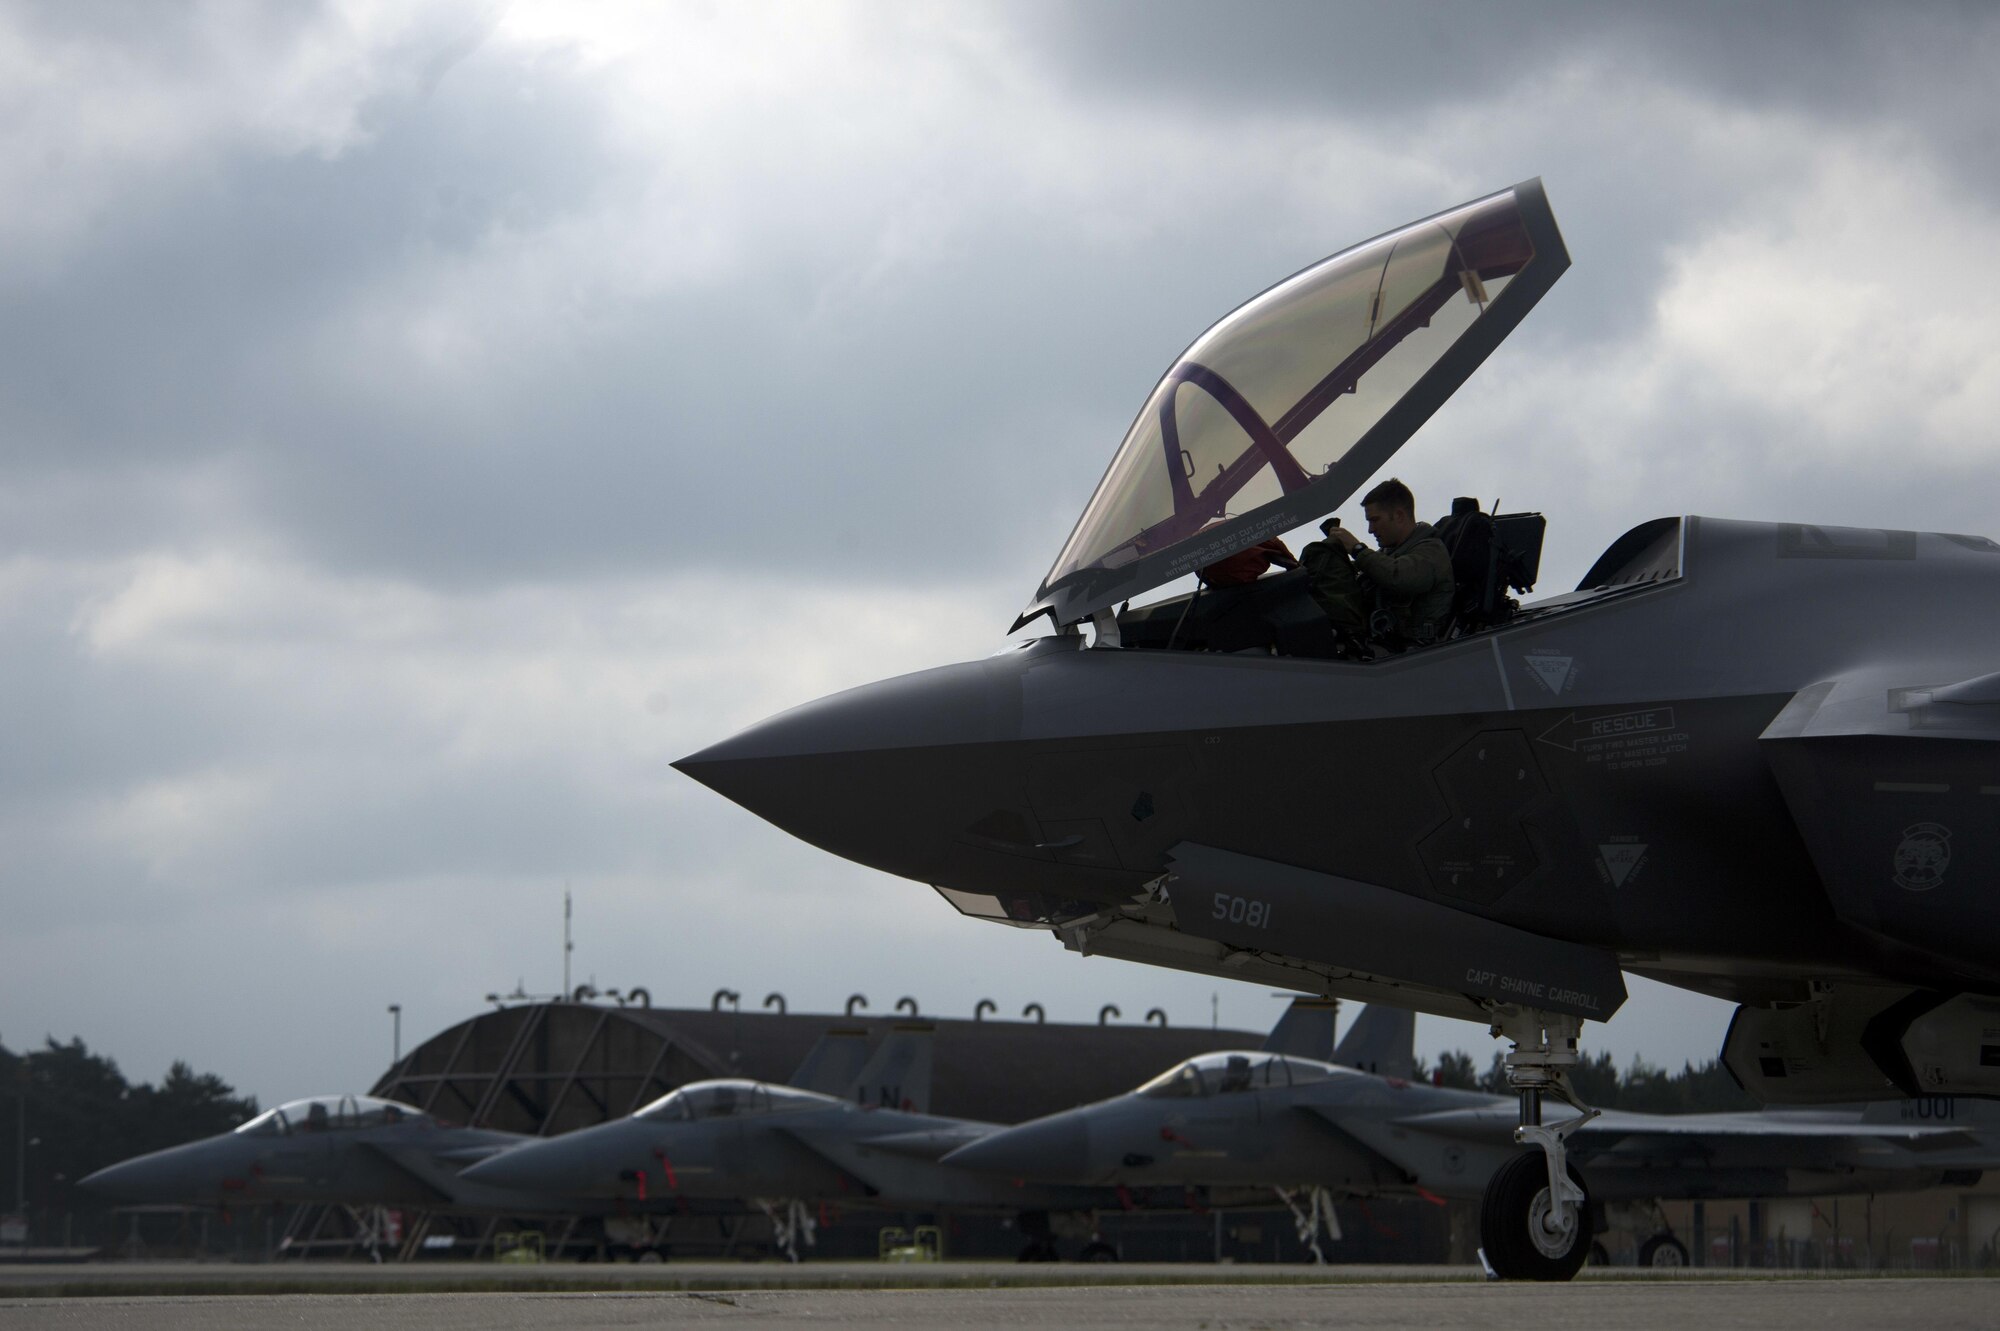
(1392,513)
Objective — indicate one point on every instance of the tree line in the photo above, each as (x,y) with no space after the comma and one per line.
(1696,1089)
(66,1112)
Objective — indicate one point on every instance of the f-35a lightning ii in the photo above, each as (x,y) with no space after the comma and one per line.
(1756,760)
(1298,1125)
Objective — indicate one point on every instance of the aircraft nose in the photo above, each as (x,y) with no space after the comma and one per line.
(1055,1149)
(884,774)
(173,1175)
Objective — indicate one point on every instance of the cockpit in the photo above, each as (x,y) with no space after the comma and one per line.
(732,1099)
(1277,414)
(331,1113)
(1232,1074)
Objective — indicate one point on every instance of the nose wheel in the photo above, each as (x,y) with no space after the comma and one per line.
(1526,1232)
(1535,1219)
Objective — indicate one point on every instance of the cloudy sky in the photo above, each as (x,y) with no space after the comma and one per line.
(422,422)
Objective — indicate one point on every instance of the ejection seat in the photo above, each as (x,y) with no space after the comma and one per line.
(1492,554)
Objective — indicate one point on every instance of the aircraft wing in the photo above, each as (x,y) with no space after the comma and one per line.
(830,1153)
(1889,777)
(1630,1137)
(386,1163)
(930,1143)
(461,1156)
(1374,1137)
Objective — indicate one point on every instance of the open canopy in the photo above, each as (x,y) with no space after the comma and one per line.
(1278,413)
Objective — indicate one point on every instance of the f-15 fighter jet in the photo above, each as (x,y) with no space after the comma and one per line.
(1756,760)
(1233,1120)
(782,1150)
(357,1150)
(348,1149)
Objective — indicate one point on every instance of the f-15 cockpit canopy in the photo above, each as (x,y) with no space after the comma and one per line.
(1230,1074)
(1278,413)
(331,1113)
(732,1098)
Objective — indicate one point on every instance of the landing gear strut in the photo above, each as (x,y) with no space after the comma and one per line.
(1535,1220)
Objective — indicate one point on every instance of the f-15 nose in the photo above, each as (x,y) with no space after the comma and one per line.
(184,1173)
(884,774)
(1055,1149)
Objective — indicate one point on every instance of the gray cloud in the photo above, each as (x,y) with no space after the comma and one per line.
(417,428)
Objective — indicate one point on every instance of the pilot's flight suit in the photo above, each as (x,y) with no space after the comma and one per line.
(1412,582)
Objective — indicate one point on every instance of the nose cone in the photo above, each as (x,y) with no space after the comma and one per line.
(1055,1149)
(585,1163)
(197,1172)
(884,774)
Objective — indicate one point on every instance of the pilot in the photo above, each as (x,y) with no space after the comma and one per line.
(1410,575)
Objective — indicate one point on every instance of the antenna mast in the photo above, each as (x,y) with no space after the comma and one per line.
(568,947)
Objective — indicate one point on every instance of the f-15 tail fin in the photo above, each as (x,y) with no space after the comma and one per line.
(1382,1040)
(898,1075)
(1305,1030)
(831,1066)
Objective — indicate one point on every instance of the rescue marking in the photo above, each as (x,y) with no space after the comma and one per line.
(1572,733)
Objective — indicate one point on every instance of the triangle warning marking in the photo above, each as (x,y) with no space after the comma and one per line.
(1621,860)
(1553,671)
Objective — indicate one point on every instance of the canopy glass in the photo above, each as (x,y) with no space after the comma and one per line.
(329,1113)
(730,1099)
(1275,415)
(1229,1074)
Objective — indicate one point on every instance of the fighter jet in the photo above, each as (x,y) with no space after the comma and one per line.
(348,1149)
(1319,1130)
(784,1150)
(357,1150)
(1753,759)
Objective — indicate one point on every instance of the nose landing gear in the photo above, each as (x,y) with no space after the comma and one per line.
(1535,1219)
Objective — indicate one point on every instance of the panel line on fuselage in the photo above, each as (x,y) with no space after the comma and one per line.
(1500,664)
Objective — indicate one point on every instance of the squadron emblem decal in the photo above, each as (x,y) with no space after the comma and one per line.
(1923,856)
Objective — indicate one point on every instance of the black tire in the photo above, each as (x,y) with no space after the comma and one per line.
(1663,1252)
(1517,1245)
(1098,1251)
(1599,1254)
(1040,1250)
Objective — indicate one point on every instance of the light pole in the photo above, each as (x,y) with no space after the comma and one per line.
(396,1017)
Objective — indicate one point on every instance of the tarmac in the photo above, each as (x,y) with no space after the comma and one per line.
(969,1294)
